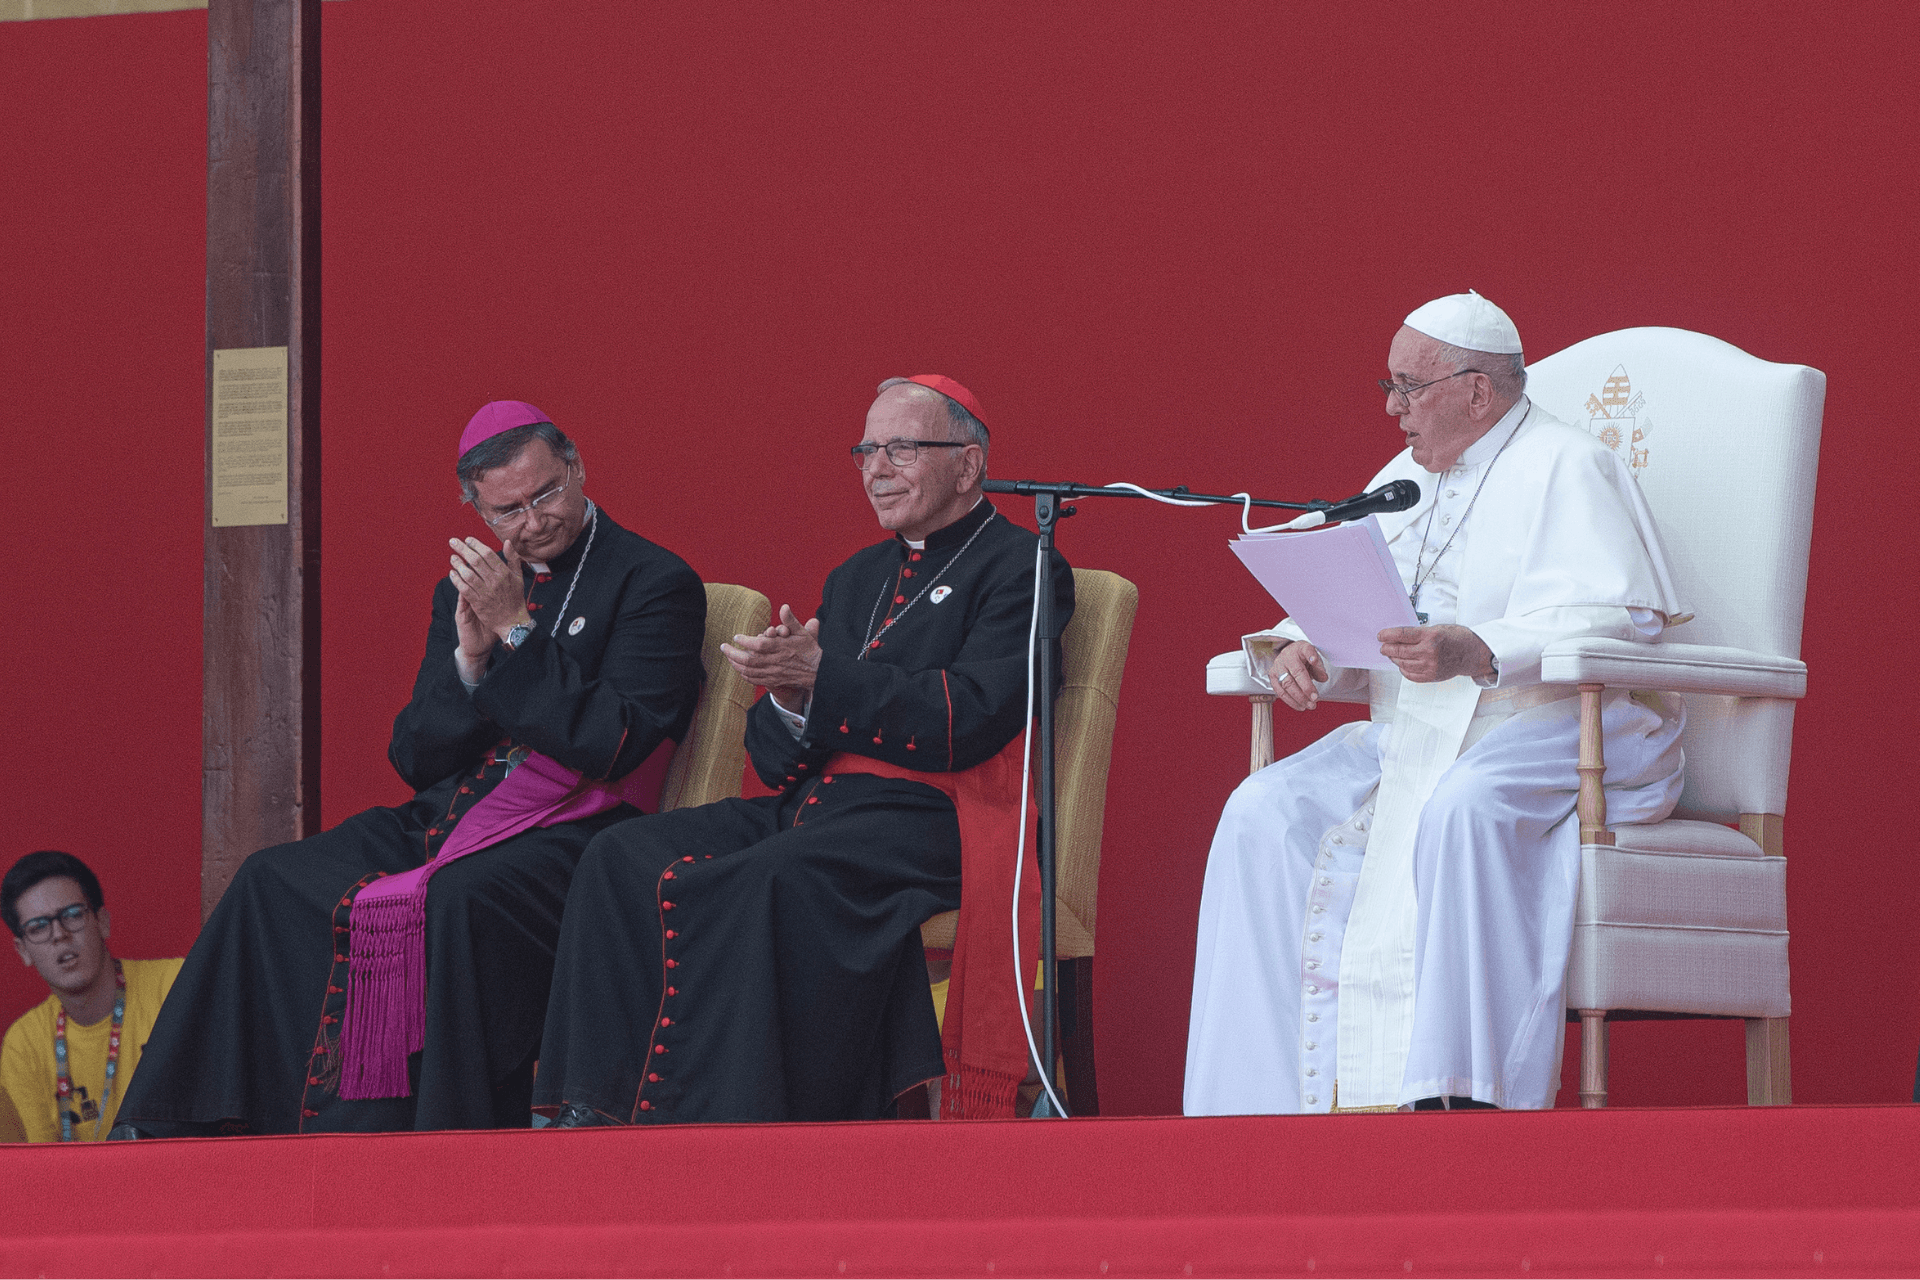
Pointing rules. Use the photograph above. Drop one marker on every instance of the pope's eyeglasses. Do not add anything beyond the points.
(516, 515)
(73, 919)
(901, 453)
(1406, 394)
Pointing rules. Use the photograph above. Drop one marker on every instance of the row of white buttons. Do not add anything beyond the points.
(1331, 893)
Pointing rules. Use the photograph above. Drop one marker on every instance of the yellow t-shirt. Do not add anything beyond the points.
(27, 1075)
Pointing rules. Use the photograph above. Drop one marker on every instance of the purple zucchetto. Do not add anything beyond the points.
(496, 416)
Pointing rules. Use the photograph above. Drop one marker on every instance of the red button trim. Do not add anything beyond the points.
(673, 964)
(646, 1106)
(666, 1022)
(688, 858)
(659, 1048)
(666, 906)
(309, 1114)
(667, 875)
(672, 934)
(340, 959)
(899, 599)
(334, 991)
(876, 739)
(906, 573)
(653, 1077)
(914, 556)
(813, 799)
(313, 1079)
(673, 991)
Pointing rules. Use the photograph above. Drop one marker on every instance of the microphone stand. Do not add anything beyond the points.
(1047, 511)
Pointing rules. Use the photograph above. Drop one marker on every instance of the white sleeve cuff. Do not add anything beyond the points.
(796, 724)
(460, 664)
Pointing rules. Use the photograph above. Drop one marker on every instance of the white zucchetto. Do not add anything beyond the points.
(1467, 320)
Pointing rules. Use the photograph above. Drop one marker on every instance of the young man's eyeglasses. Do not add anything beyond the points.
(514, 515)
(72, 919)
(901, 453)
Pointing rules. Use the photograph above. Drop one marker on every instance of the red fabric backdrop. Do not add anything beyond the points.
(1164, 244)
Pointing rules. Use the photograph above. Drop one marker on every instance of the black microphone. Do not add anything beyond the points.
(1395, 496)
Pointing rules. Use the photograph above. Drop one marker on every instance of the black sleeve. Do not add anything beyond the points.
(946, 718)
(643, 693)
(439, 731)
(771, 746)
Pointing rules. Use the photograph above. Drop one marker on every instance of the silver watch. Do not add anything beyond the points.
(517, 636)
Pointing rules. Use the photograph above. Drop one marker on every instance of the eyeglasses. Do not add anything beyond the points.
(901, 453)
(72, 919)
(514, 515)
(1406, 394)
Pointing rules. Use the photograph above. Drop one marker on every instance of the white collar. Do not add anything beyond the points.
(922, 544)
(1481, 451)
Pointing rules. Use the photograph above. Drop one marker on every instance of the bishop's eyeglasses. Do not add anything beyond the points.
(515, 515)
(901, 453)
(1406, 394)
(72, 919)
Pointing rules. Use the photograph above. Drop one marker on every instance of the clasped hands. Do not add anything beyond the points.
(492, 600)
(1425, 655)
(784, 659)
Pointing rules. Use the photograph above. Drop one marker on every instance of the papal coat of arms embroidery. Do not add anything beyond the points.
(1616, 418)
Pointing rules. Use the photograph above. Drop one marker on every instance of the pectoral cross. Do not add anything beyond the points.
(1413, 598)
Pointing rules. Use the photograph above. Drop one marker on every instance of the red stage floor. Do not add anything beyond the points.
(1781, 1191)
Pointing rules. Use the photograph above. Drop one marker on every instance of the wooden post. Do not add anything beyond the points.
(1592, 769)
(1593, 1058)
(1262, 747)
(1769, 1065)
(260, 724)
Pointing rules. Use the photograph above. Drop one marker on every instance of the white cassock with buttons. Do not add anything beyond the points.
(1387, 914)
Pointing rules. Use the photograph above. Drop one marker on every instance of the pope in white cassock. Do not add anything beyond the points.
(1387, 914)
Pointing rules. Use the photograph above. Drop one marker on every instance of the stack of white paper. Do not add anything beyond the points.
(1339, 584)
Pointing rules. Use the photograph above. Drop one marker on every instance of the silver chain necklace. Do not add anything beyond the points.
(866, 646)
(593, 525)
(1419, 578)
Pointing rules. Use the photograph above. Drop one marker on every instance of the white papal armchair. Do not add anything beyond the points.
(1687, 917)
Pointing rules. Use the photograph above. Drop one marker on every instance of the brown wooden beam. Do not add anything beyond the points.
(260, 782)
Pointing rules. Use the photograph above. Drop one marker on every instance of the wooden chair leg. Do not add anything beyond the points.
(1769, 1070)
(1261, 752)
(1076, 1039)
(1593, 1058)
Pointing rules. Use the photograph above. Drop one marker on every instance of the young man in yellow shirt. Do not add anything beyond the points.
(66, 1063)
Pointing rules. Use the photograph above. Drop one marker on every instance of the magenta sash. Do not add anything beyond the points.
(386, 1012)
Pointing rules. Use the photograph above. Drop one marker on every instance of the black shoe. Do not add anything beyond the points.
(1452, 1103)
(124, 1132)
(575, 1115)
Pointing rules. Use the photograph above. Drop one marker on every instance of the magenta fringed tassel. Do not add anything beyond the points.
(386, 991)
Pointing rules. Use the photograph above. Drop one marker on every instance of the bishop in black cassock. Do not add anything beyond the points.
(760, 959)
(597, 670)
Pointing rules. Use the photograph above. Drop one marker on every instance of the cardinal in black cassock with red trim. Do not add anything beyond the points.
(761, 959)
(392, 973)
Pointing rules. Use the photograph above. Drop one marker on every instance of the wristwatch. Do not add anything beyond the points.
(517, 636)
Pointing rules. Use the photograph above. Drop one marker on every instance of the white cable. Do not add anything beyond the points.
(1307, 521)
(1020, 858)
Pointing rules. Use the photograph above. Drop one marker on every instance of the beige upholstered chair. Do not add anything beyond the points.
(707, 765)
(1095, 644)
(1687, 917)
